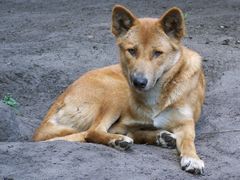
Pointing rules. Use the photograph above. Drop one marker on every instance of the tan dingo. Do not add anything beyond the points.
(153, 96)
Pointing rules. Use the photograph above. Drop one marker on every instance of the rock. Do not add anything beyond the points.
(14, 128)
(223, 26)
(90, 36)
(9, 128)
(237, 42)
(95, 47)
(225, 42)
(207, 41)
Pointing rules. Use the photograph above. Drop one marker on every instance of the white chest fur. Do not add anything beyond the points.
(179, 114)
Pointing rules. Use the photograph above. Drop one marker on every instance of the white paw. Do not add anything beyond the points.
(128, 139)
(166, 139)
(123, 143)
(192, 165)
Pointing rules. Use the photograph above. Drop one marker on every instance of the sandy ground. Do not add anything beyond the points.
(45, 45)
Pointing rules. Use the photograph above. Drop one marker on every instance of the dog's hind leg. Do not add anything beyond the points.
(114, 140)
(49, 130)
(76, 137)
(156, 137)
(98, 133)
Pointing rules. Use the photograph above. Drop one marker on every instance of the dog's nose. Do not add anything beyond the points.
(139, 81)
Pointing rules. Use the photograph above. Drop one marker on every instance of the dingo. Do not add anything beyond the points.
(154, 96)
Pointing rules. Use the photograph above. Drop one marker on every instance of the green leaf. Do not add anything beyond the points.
(10, 101)
(185, 15)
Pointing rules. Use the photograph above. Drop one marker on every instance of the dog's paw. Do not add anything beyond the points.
(123, 143)
(192, 165)
(166, 139)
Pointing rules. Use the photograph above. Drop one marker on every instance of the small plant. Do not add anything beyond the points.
(10, 101)
(185, 15)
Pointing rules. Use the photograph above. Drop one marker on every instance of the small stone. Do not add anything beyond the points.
(207, 41)
(7, 178)
(200, 26)
(237, 42)
(226, 42)
(90, 36)
(95, 47)
(223, 27)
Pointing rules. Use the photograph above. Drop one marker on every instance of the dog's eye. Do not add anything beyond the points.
(132, 51)
(156, 54)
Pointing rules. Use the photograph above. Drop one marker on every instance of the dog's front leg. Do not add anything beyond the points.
(155, 137)
(99, 132)
(185, 135)
(117, 141)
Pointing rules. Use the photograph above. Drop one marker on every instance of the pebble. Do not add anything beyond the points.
(7, 178)
(237, 42)
(223, 26)
(90, 36)
(226, 42)
(207, 41)
(95, 47)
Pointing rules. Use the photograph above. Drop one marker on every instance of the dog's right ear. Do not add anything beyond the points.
(122, 20)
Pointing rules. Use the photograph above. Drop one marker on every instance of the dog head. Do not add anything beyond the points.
(148, 47)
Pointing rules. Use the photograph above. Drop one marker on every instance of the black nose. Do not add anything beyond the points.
(139, 81)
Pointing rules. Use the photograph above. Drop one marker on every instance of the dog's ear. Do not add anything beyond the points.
(172, 23)
(122, 20)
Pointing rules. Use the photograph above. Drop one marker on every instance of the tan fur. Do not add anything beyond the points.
(104, 107)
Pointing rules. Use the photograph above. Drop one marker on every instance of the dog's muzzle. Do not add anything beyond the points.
(139, 81)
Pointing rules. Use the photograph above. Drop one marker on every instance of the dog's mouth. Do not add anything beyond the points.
(157, 81)
(140, 90)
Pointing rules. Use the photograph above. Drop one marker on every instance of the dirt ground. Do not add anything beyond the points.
(46, 45)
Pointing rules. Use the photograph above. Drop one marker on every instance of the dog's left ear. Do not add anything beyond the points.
(172, 23)
(122, 20)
